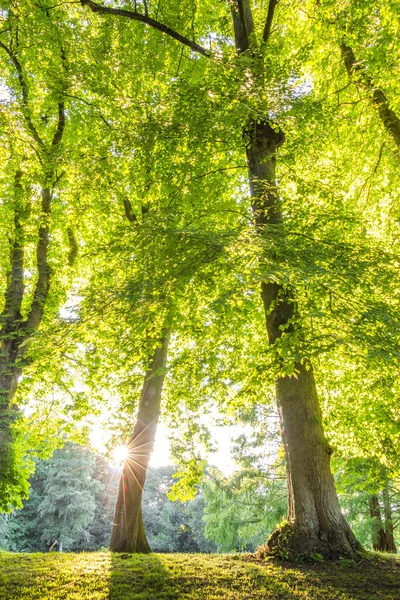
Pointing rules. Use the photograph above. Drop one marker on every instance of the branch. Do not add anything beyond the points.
(357, 71)
(270, 17)
(132, 218)
(15, 287)
(43, 267)
(120, 12)
(73, 247)
(60, 125)
(242, 24)
(25, 96)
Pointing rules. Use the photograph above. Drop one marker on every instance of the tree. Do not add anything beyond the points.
(317, 523)
(33, 137)
(62, 506)
(367, 494)
(318, 245)
(172, 526)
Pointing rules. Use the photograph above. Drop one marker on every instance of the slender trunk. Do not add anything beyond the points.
(377, 529)
(390, 545)
(357, 73)
(316, 521)
(128, 534)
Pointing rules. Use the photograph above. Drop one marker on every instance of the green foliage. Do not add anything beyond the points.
(172, 526)
(62, 505)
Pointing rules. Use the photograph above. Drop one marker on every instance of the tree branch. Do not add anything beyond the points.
(357, 71)
(60, 125)
(15, 288)
(25, 96)
(130, 215)
(43, 268)
(135, 16)
(270, 17)
(73, 247)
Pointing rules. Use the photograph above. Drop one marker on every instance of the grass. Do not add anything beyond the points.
(101, 576)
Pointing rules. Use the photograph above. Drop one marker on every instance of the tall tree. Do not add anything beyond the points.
(23, 303)
(316, 521)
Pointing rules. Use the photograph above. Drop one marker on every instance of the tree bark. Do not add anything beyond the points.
(16, 331)
(128, 534)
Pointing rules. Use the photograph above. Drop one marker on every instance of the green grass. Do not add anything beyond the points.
(101, 576)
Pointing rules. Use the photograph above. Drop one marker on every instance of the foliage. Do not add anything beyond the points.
(72, 500)
(357, 480)
(62, 504)
(151, 176)
(172, 526)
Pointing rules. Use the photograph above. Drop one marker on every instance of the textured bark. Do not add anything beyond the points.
(128, 534)
(358, 74)
(317, 524)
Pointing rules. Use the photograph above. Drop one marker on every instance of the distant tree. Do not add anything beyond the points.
(62, 504)
(99, 532)
(172, 526)
(371, 502)
(242, 510)
(3, 532)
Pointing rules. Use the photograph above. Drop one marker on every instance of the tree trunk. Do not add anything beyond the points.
(390, 546)
(16, 332)
(316, 523)
(377, 529)
(382, 532)
(128, 534)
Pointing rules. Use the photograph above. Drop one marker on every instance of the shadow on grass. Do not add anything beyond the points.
(105, 576)
(202, 577)
(366, 580)
(139, 577)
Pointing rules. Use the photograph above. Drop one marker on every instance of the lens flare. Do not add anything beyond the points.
(120, 454)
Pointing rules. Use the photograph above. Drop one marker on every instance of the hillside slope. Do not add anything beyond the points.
(101, 576)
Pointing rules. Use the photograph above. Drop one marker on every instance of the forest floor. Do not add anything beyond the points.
(101, 576)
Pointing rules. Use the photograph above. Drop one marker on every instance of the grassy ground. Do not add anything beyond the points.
(101, 576)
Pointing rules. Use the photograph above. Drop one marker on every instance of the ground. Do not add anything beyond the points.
(101, 576)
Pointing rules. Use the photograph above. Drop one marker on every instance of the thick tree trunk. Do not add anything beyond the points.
(316, 524)
(128, 534)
